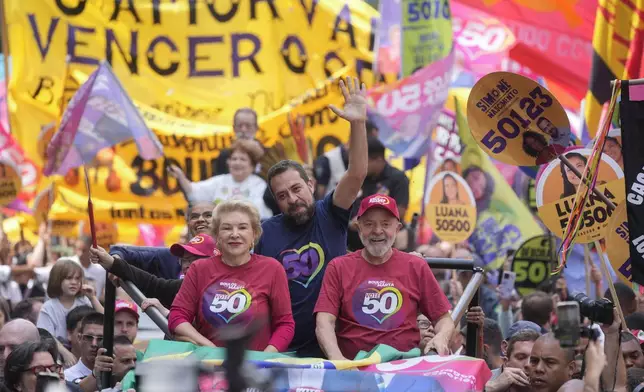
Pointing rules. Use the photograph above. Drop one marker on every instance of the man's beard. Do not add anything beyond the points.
(299, 218)
(377, 250)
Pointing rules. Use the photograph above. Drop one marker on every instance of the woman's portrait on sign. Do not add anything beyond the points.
(557, 181)
(570, 180)
(450, 191)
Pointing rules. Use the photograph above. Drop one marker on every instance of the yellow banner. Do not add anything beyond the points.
(188, 66)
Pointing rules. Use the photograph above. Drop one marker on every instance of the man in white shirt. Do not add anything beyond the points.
(91, 337)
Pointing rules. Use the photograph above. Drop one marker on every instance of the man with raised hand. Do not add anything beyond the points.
(308, 234)
(373, 296)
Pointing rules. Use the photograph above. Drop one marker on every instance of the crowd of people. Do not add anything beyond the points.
(324, 262)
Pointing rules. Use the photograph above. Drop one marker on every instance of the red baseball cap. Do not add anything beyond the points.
(199, 245)
(126, 306)
(639, 334)
(379, 201)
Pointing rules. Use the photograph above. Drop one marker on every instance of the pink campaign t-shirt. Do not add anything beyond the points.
(379, 303)
(214, 295)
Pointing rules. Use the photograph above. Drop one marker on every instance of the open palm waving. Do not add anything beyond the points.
(355, 100)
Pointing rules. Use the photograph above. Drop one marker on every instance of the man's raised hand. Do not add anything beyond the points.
(355, 100)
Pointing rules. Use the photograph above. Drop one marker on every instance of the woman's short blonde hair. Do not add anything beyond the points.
(236, 205)
(249, 147)
(64, 268)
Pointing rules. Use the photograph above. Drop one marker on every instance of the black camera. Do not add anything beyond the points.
(598, 311)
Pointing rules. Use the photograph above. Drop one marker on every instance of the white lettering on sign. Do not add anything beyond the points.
(636, 193)
(572, 47)
(639, 245)
(531, 35)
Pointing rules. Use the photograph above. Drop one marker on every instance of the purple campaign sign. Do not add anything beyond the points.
(100, 115)
(389, 38)
(410, 108)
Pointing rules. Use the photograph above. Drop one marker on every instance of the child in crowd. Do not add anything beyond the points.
(66, 291)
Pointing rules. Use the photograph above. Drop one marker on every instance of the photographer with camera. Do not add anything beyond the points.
(569, 334)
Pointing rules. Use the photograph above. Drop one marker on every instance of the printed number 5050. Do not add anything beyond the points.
(510, 126)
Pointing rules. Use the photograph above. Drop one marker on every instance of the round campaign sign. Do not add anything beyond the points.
(557, 187)
(107, 234)
(532, 262)
(619, 253)
(612, 146)
(451, 209)
(10, 183)
(516, 120)
(42, 204)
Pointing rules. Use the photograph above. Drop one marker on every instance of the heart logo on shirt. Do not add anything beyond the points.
(304, 264)
(227, 305)
(385, 303)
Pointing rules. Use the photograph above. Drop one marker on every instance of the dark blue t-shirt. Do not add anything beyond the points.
(305, 251)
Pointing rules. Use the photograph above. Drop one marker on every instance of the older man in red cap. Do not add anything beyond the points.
(374, 295)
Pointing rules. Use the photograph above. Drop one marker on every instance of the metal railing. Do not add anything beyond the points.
(469, 298)
(152, 312)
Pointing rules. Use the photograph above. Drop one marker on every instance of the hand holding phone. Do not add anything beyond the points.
(507, 284)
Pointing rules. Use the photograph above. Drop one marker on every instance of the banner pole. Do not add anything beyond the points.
(90, 208)
(611, 286)
(631, 82)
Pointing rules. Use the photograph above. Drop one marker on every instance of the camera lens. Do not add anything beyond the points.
(599, 311)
